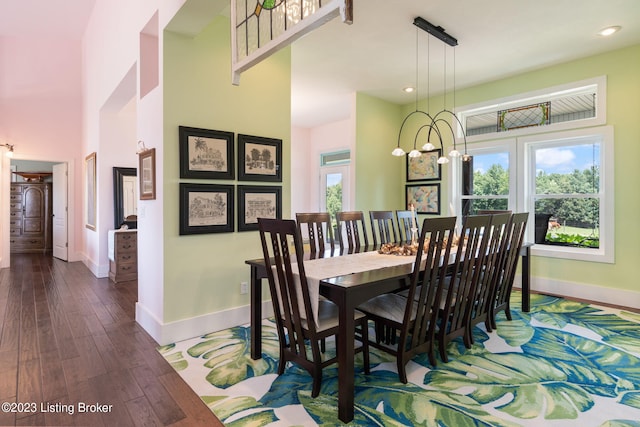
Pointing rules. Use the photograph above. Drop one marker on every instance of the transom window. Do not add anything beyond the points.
(563, 178)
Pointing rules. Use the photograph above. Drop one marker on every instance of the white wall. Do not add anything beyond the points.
(306, 146)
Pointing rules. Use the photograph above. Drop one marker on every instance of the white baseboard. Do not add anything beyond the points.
(166, 333)
(100, 271)
(595, 293)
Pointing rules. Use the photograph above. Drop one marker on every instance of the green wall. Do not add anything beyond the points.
(379, 175)
(623, 105)
(379, 178)
(202, 273)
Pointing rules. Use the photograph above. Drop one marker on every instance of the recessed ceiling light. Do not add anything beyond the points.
(609, 30)
(408, 89)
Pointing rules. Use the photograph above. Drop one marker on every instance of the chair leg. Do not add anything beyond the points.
(317, 380)
(402, 371)
(365, 345)
(323, 345)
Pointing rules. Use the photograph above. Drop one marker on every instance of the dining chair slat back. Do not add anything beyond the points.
(316, 226)
(415, 316)
(464, 275)
(291, 302)
(481, 302)
(406, 221)
(504, 282)
(383, 227)
(354, 235)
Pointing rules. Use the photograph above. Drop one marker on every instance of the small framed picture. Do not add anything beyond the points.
(259, 159)
(206, 208)
(425, 167)
(257, 202)
(147, 167)
(206, 154)
(425, 197)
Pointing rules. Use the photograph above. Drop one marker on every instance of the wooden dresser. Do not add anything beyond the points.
(30, 217)
(123, 255)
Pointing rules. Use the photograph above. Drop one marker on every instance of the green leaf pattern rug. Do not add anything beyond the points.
(563, 364)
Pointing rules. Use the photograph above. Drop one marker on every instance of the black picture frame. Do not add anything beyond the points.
(425, 167)
(255, 201)
(255, 168)
(206, 154)
(424, 197)
(206, 208)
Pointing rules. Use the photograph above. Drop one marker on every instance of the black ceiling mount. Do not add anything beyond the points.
(435, 31)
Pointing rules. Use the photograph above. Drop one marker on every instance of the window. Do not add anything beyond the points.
(566, 179)
(334, 182)
(561, 173)
(487, 179)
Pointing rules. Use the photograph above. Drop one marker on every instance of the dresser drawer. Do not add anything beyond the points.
(15, 206)
(25, 242)
(15, 198)
(15, 231)
(15, 215)
(125, 257)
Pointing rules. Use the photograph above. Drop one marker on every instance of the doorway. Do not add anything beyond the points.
(39, 208)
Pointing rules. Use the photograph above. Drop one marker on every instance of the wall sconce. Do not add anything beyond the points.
(9, 149)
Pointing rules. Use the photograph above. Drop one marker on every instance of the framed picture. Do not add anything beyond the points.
(206, 208)
(147, 167)
(206, 154)
(90, 213)
(425, 167)
(257, 202)
(259, 159)
(425, 197)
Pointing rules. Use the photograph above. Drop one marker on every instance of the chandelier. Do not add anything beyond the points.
(436, 121)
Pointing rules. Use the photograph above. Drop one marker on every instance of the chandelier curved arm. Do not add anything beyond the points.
(466, 156)
(399, 151)
(429, 146)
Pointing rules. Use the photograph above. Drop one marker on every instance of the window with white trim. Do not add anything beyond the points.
(564, 179)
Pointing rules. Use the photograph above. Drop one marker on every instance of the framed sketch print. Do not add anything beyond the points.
(425, 197)
(90, 211)
(259, 159)
(425, 167)
(257, 202)
(206, 208)
(206, 154)
(147, 167)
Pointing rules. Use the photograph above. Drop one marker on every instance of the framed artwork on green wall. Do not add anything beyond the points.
(425, 198)
(206, 154)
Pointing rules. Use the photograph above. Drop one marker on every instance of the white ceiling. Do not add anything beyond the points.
(376, 55)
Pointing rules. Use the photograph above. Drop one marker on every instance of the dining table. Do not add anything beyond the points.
(348, 290)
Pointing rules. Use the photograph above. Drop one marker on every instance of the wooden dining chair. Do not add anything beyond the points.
(465, 273)
(416, 316)
(317, 227)
(507, 270)
(354, 236)
(481, 301)
(405, 223)
(294, 316)
(383, 227)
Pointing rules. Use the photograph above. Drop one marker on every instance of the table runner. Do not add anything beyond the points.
(323, 268)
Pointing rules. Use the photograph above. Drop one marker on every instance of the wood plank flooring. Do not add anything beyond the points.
(68, 338)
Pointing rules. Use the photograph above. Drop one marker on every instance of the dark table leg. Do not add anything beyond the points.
(346, 351)
(526, 278)
(256, 313)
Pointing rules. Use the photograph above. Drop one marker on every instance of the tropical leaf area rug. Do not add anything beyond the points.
(564, 363)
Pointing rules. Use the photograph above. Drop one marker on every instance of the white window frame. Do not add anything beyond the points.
(521, 176)
(490, 147)
(526, 161)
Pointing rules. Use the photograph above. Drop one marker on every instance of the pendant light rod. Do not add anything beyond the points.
(435, 31)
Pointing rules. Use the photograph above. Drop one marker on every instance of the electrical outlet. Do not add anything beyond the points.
(244, 288)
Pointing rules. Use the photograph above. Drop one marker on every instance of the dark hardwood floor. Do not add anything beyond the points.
(69, 340)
